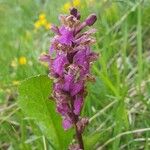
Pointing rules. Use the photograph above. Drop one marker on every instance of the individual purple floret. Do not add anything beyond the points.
(70, 58)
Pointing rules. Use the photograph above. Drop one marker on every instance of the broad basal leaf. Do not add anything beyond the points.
(33, 100)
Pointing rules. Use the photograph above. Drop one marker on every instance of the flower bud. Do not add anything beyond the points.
(91, 19)
(73, 11)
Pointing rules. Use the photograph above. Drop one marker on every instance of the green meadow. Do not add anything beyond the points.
(117, 104)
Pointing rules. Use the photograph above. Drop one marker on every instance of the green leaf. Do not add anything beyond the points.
(33, 100)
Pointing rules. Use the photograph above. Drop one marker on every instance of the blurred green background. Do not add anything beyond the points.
(118, 102)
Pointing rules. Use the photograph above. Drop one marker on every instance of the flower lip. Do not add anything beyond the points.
(67, 123)
(59, 64)
(66, 36)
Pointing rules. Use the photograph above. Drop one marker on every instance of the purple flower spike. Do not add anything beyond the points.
(70, 68)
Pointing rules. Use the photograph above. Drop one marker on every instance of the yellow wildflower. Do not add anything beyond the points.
(42, 16)
(37, 24)
(43, 22)
(22, 60)
(47, 26)
(66, 7)
(76, 3)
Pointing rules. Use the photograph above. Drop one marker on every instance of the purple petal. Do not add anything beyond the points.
(51, 49)
(58, 86)
(53, 43)
(76, 88)
(58, 64)
(80, 57)
(66, 36)
(81, 39)
(67, 123)
(86, 69)
(68, 82)
(91, 19)
(63, 108)
(77, 105)
(45, 58)
(90, 31)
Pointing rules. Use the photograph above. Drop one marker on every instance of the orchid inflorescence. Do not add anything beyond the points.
(69, 60)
